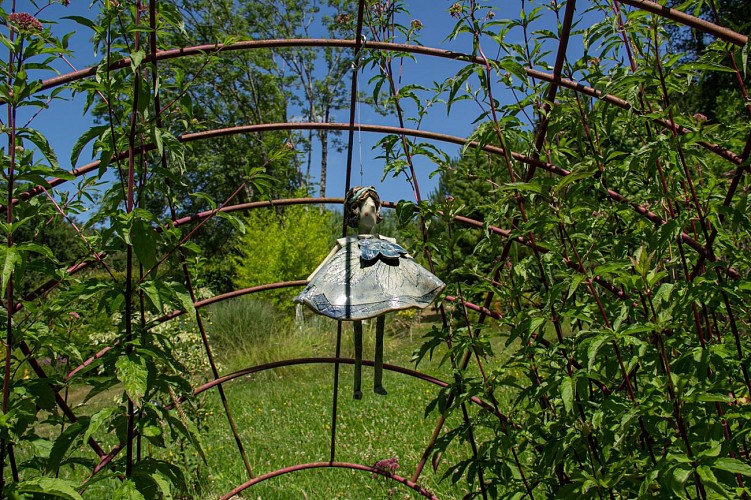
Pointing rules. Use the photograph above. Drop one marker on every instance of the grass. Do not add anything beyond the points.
(288, 421)
(284, 415)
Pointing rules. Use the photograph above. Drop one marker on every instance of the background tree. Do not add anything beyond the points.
(249, 87)
(472, 181)
(314, 76)
(715, 94)
(225, 90)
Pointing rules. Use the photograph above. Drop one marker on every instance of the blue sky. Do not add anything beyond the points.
(64, 122)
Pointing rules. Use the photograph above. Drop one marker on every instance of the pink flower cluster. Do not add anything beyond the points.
(386, 465)
(379, 8)
(24, 22)
(456, 10)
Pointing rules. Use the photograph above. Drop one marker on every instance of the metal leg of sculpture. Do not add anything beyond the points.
(378, 377)
(358, 359)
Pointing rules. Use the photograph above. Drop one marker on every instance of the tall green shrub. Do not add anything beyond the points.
(282, 246)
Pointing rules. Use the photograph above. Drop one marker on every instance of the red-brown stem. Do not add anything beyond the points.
(739, 172)
(702, 224)
(540, 138)
(624, 373)
(6, 445)
(129, 205)
(39, 371)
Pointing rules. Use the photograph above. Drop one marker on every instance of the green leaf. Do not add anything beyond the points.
(63, 444)
(678, 480)
(183, 296)
(9, 257)
(136, 58)
(85, 21)
(44, 394)
(732, 465)
(235, 221)
(127, 491)
(405, 212)
(156, 136)
(49, 486)
(40, 141)
(575, 282)
(84, 139)
(530, 187)
(161, 472)
(96, 422)
(36, 248)
(154, 293)
(705, 66)
(152, 485)
(573, 177)
(594, 348)
(133, 373)
(567, 393)
(144, 240)
(203, 196)
(188, 429)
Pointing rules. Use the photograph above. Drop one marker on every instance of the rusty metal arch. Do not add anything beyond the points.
(644, 211)
(554, 79)
(106, 458)
(318, 465)
(347, 361)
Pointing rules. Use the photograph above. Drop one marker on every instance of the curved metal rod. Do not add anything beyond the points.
(641, 210)
(623, 104)
(169, 54)
(195, 50)
(694, 22)
(316, 465)
(301, 201)
(230, 295)
(291, 201)
(570, 84)
(197, 305)
(268, 127)
(459, 218)
(347, 361)
(197, 217)
(105, 460)
(645, 212)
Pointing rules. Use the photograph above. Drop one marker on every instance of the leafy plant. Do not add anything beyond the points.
(609, 246)
(282, 246)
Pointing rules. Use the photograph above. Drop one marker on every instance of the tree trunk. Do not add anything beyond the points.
(310, 159)
(324, 137)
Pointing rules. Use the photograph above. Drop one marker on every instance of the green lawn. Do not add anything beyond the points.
(285, 419)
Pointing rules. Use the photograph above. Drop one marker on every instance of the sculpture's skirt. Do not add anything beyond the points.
(349, 287)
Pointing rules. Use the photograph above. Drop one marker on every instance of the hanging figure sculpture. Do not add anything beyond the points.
(366, 276)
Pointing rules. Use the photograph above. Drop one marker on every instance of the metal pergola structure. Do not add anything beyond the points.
(534, 163)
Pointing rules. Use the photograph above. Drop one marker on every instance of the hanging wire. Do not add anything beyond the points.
(359, 109)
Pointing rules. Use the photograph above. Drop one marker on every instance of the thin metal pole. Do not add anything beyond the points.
(347, 185)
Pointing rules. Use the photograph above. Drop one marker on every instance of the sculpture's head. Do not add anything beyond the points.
(362, 207)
